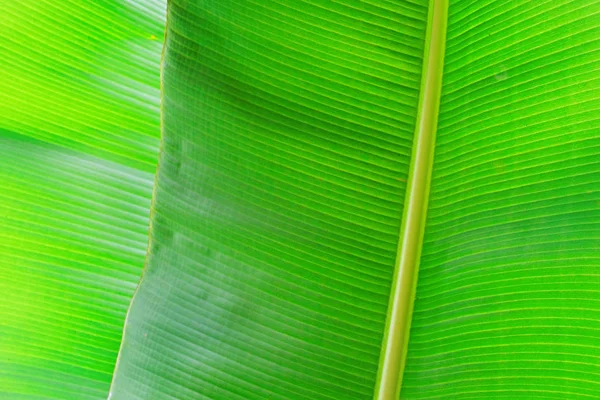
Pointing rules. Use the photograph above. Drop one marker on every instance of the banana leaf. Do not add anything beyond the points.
(326, 167)
(291, 217)
(79, 136)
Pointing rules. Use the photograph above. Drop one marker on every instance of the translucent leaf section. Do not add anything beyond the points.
(79, 128)
(508, 295)
(287, 136)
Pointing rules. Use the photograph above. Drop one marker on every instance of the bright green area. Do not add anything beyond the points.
(79, 128)
(288, 129)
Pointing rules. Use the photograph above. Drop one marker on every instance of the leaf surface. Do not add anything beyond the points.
(508, 293)
(287, 138)
(288, 131)
(79, 128)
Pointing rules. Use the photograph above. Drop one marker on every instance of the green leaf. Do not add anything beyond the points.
(286, 149)
(281, 262)
(288, 131)
(508, 292)
(79, 128)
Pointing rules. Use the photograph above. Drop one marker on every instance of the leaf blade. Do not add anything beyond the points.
(78, 136)
(512, 215)
(274, 220)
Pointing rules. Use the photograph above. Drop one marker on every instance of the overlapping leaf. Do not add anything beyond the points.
(79, 127)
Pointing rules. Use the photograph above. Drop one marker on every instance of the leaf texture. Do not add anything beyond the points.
(79, 127)
(288, 128)
(508, 293)
(287, 136)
